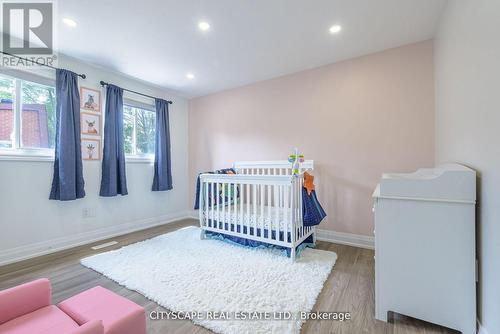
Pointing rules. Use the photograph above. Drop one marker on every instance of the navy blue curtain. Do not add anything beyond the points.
(113, 180)
(163, 174)
(67, 182)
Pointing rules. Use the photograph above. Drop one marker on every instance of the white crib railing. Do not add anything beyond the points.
(278, 167)
(263, 202)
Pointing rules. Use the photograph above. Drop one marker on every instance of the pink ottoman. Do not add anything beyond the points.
(118, 314)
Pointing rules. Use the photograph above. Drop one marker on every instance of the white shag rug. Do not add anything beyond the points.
(222, 282)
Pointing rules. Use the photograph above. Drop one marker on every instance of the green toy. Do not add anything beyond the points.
(296, 159)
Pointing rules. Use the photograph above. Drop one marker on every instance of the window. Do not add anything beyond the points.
(27, 115)
(140, 130)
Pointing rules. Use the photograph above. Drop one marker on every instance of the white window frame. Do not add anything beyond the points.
(138, 158)
(18, 153)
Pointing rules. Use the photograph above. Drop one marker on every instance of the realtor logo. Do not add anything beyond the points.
(27, 28)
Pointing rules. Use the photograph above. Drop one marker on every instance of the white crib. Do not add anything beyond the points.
(262, 202)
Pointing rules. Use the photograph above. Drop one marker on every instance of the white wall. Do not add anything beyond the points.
(31, 224)
(467, 51)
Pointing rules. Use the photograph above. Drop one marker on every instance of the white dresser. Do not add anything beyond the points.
(425, 260)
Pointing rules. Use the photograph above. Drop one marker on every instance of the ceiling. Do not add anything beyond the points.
(249, 40)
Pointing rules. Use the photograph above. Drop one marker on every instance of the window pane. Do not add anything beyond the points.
(139, 127)
(145, 131)
(38, 117)
(6, 112)
(128, 129)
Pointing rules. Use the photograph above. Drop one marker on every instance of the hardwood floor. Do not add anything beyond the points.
(349, 288)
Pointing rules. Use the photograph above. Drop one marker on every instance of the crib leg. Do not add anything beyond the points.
(202, 234)
(292, 254)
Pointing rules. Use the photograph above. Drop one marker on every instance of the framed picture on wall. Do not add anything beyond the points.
(90, 124)
(91, 149)
(90, 99)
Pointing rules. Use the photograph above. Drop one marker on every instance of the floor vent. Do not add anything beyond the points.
(107, 244)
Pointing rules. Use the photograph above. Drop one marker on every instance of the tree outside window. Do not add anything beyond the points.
(139, 130)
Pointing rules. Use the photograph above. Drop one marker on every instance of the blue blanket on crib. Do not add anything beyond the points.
(197, 196)
(308, 242)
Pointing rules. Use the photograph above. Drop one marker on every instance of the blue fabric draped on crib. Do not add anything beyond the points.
(197, 196)
(308, 242)
(312, 211)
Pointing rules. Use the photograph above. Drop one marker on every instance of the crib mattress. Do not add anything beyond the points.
(258, 220)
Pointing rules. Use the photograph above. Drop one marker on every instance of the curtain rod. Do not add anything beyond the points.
(83, 76)
(133, 91)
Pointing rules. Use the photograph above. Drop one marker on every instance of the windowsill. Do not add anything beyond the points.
(24, 155)
(140, 159)
(19, 155)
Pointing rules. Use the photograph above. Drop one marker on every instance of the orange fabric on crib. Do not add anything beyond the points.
(308, 182)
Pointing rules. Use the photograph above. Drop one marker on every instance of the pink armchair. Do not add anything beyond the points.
(27, 309)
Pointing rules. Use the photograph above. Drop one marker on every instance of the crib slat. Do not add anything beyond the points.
(227, 206)
(217, 202)
(262, 190)
(223, 204)
(299, 224)
(205, 190)
(240, 209)
(285, 213)
(276, 212)
(240, 221)
(227, 216)
(247, 223)
(209, 202)
(212, 223)
(235, 205)
(254, 206)
(296, 223)
(257, 204)
(227, 221)
(269, 218)
(301, 183)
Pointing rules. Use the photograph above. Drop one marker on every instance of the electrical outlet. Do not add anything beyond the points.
(88, 213)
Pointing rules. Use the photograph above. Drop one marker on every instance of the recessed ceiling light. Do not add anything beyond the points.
(69, 22)
(335, 29)
(204, 26)
(190, 76)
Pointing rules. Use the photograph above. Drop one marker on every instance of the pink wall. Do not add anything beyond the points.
(356, 119)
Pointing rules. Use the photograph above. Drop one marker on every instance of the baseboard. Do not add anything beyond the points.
(193, 214)
(17, 254)
(356, 240)
(481, 329)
